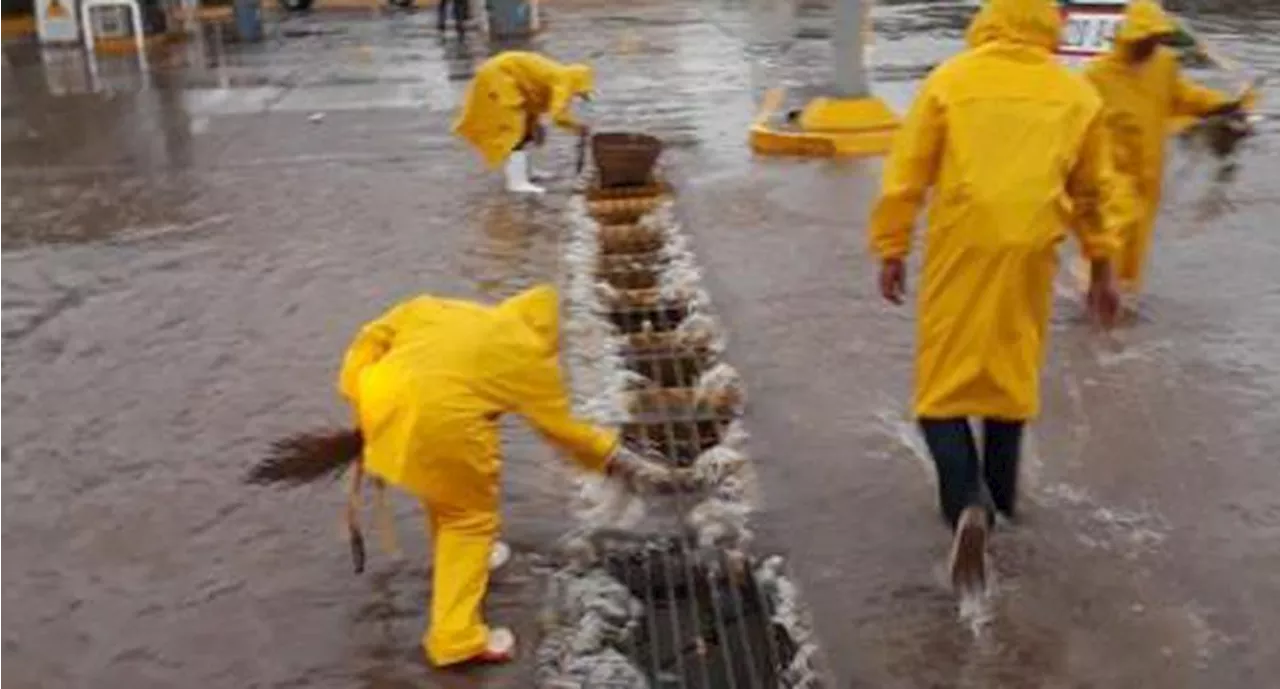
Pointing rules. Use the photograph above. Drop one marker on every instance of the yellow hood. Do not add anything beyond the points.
(1144, 19)
(1026, 22)
(580, 78)
(539, 309)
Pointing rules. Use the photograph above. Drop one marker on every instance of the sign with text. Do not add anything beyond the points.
(1088, 32)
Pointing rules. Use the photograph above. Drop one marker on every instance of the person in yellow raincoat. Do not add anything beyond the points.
(1010, 144)
(1143, 91)
(503, 104)
(428, 381)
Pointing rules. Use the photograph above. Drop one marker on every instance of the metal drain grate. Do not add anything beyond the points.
(705, 622)
(660, 608)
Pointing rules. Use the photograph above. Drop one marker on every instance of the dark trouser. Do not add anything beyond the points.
(956, 455)
(528, 139)
(460, 11)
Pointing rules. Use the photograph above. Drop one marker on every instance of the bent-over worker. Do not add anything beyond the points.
(1143, 91)
(503, 105)
(1010, 142)
(428, 381)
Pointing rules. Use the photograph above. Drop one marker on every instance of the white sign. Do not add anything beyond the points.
(56, 21)
(1088, 33)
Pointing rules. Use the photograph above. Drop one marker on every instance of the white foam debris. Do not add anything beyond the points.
(803, 669)
(591, 616)
(604, 504)
(723, 385)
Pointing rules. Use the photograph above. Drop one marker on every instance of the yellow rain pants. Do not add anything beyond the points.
(428, 381)
(511, 89)
(1140, 102)
(1012, 145)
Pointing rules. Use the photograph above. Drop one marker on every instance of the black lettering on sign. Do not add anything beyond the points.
(1074, 31)
(1109, 34)
(1095, 33)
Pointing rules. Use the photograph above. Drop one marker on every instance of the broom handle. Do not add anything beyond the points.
(582, 150)
(353, 517)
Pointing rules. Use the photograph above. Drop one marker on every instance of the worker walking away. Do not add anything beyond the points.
(1143, 91)
(428, 381)
(1006, 143)
(461, 14)
(504, 104)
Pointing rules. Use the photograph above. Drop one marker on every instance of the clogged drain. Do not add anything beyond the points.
(661, 592)
(702, 625)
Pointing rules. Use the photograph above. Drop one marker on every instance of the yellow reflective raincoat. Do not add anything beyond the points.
(1012, 144)
(428, 381)
(509, 90)
(1140, 102)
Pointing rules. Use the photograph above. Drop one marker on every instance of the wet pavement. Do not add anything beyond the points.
(187, 251)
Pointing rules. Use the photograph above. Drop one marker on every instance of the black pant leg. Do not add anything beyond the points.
(442, 14)
(1001, 454)
(955, 454)
(461, 12)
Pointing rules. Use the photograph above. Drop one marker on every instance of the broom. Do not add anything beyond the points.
(304, 458)
(307, 457)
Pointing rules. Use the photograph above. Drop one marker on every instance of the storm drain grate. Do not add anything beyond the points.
(673, 600)
(705, 622)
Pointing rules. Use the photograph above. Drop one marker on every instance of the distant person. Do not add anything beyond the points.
(505, 102)
(461, 14)
(1004, 142)
(1142, 91)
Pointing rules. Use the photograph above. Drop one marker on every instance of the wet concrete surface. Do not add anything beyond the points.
(187, 251)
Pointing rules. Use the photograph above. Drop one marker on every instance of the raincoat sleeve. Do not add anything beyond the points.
(910, 171)
(1193, 100)
(1102, 199)
(561, 106)
(537, 393)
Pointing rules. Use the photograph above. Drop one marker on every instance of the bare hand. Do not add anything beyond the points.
(893, 280)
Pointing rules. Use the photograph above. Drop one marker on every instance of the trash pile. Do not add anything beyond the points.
(661, 591)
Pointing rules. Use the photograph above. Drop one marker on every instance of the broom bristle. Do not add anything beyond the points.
(306, 457)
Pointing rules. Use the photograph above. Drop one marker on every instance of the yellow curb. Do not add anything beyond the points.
(828, 127)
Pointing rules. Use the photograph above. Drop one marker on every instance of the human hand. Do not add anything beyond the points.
(893, 280)
(537, 133)
(638, 473)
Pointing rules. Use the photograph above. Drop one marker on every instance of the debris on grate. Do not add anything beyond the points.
(660, 591)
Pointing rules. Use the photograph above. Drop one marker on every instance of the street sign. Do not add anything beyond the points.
(1088, 32)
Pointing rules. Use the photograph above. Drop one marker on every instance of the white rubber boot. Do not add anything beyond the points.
(518, 175)
(499, 556)
(537, 174)
(500, 647)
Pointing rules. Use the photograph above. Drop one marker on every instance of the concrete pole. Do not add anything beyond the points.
(851, 70)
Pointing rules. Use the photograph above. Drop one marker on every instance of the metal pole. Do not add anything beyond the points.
(851, 71)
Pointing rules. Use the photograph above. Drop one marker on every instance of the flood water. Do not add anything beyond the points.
(187, 250)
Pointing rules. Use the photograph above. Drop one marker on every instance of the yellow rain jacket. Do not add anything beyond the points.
(512, 88)
(1012, 144)
(1140, 103)
(428, 381)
